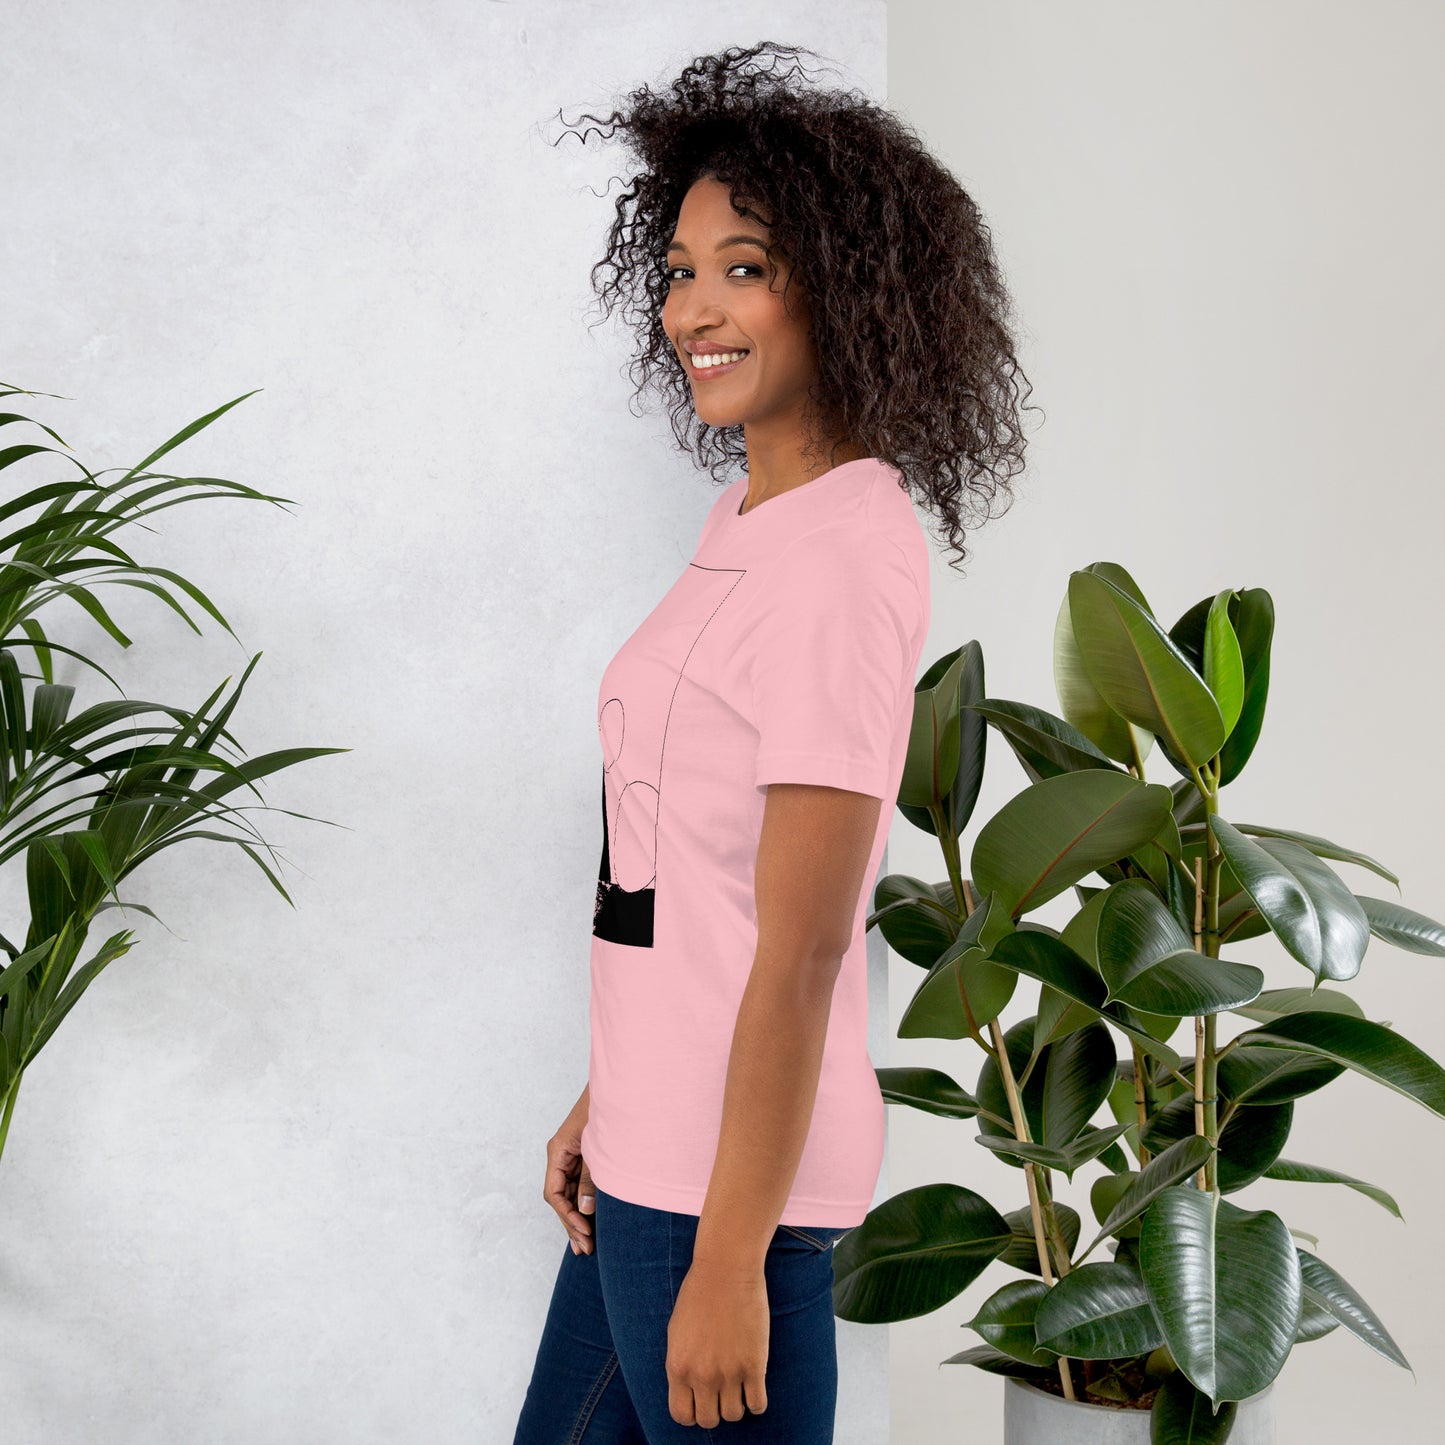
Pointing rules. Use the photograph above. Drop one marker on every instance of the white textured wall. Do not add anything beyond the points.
(278, 1178)
(1223, 226)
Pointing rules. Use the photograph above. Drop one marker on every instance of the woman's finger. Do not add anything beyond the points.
(560, 1191)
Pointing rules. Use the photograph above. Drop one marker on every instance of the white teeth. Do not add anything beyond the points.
(716, 358)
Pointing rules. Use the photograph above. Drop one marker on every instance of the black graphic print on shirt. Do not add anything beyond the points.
(639, 688)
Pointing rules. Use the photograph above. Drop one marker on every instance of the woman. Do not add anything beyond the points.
(818, 300)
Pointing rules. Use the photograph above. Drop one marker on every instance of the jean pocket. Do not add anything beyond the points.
(818, 1237)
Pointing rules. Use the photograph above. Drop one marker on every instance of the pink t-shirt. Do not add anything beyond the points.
(786, 652)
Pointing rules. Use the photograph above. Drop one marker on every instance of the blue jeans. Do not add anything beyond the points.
(600, 1376)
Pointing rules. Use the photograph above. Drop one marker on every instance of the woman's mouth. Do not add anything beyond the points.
(705, 365)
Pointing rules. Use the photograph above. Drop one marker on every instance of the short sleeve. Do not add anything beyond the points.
(832, 660)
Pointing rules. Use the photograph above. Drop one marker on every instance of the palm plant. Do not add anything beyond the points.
(1203, 1298)
(87, 797)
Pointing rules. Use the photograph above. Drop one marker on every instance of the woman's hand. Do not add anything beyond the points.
(717, 1345)
(568, 1186)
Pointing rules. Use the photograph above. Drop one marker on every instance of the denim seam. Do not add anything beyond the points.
(803, 1234)
(589, 1405)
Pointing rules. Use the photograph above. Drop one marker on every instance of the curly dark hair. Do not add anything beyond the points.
(910, 315)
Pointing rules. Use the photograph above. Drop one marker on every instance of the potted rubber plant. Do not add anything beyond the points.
(87, 796)
(1147, 1055)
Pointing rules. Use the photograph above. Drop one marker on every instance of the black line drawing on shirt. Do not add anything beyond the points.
(622, 913)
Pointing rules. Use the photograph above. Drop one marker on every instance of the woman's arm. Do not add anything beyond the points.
(812, 852)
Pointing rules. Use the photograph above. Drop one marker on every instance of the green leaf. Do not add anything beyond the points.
(1315, 1321)
(12, 975)
(184, 434)
(1061, 829)
(1044, 744)
(993, 1096)
(256, 858)
(1023, 1251)
(964, 990)
(931, 1090)
(1251, 614)
(36, 633)
(983, 987)
(83, 977)
(48, 710)
(264, 764)
(51, 491)
(1188, 983)
(1058, 1015)
(1290, 1169)
(1089, 1145)
(193, 592)
(1182, 1158)
(1105, 1192)
(1083, 705)
(1132, 929)
(915, 1252)
(930, 769)
(994, 1361)
(1053, 962)
(922, 929)
(1275, 1003)
(1369, 1048)
(1006, 1320)
(1149, 962)
(1328, 1289)
(1223, 663)
(1077, 1079)
(1140, 672)
(1248, 1143)
(1403, 926)
(91, 604)
(1307, 907)
(1254, 1074)
(94, 847)
(1126, 1250)
(1225, 1284)
(12, 710)
(947, 744)
(1130, 903)
(1099, 1312)
(1320, 847)
(1181, 1415)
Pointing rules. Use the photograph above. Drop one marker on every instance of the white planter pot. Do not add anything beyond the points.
(1035, 1417)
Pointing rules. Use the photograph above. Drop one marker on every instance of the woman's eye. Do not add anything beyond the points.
(668, 271)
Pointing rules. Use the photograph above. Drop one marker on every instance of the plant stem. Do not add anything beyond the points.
(1203, 1175)
(10, 1094)
(1141, 1105)
(1211, 1102)
(963, 892)
(1180, 1079)
(965, 897)
(948, 841)
(1223, 1049)
(1138, 763)
(1062, 1262)
(1036, 1215)
(1206, 941)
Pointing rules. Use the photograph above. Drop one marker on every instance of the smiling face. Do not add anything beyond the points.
(726, 295)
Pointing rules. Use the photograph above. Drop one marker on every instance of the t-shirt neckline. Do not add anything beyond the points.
(828, 476)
